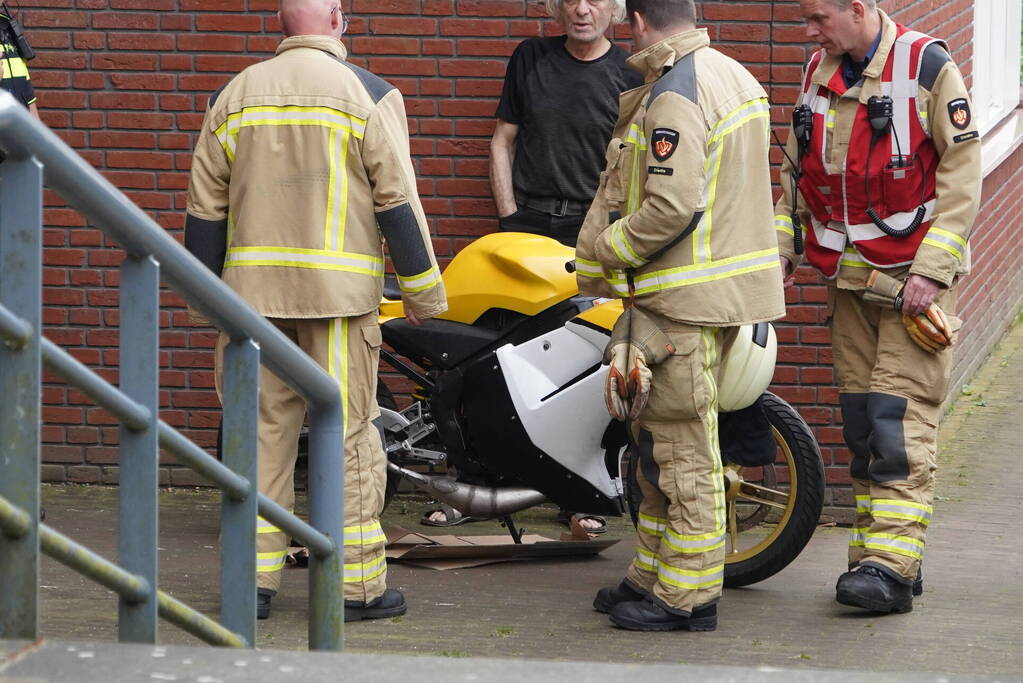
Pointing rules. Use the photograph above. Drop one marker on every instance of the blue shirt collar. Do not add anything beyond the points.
(853, 71)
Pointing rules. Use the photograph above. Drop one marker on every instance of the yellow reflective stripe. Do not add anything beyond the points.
(421, 282)
(949, 241)
(646, 560)
(265, 527)
(622, 247)
(750, 111)
(851, 257)
(700, 543)
(365, 534)
(831, 118)
(903, 503)
(637, 139)
(898, 509)
(292, 115)
(710, 341)
(651, 525)
(700, 273)
(337, 363)
(14, 67)
(689, 578)
(270, 562)
(316, 259)
(227, 140)
(949, 235)
(784, 224)
(900, 545)
(862, 503)
(585, 268)
(857, 536)
(941, 245)
(359, 572)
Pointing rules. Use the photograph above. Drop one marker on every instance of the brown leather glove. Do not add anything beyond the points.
(930, 330)
(636, 345)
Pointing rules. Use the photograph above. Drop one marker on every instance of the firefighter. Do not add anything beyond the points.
(886, 158)
(681, 227)
(301, 167)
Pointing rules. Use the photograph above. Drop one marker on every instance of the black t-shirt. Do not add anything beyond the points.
(566, 110)
(13, 71)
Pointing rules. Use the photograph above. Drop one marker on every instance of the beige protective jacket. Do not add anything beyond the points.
(689, 158)
(959, 175)
(301, 167)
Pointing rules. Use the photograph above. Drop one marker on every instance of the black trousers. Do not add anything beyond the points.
(565, 229)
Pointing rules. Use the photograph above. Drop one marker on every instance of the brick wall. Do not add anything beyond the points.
(126, 82)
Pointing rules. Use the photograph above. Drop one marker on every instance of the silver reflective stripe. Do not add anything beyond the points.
(694, 544)
(901, 545)
(245, 255)
(265, 527)
(270, 562)
(367, 534)
(861, 232)
(696, 274)
(359, 572)
(650, 525)
(588, 268)
(252, 116)
(898, 510)
(857, 536)
(410, 284)
(949, 241)
(690, 579)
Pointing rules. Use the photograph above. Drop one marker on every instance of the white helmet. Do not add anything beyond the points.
(748, 367)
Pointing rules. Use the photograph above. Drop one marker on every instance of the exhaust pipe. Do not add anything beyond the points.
(470, 499)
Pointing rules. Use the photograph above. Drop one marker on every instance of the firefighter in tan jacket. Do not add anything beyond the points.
(886, 159)
(300, 172)
(683, 213)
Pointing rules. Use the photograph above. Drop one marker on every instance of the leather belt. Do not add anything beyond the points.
(554, 206)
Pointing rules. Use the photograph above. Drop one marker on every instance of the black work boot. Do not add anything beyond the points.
(609, 597)
(874, 589)
(263, 598)
(648, 615)
(391, 603)
(918, 584)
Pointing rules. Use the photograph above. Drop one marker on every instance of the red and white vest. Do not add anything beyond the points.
(838, 201)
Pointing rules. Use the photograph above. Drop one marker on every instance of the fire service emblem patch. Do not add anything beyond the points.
(663, 142)
(959, 113)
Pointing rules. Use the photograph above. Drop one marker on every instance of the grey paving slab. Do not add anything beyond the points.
(969, 620)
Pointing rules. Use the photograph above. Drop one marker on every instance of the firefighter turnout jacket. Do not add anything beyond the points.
(685, 201)
(301, 167)
(929, 157)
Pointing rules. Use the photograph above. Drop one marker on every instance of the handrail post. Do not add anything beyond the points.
(21, 201)
(327, 514)
(140, 452)
(238, 518)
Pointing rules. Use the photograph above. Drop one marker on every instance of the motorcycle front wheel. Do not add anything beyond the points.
(772, 511)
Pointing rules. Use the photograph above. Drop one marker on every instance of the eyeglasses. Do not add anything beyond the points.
(344, 18)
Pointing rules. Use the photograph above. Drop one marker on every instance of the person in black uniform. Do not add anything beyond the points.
(557, 111)
(14, 53)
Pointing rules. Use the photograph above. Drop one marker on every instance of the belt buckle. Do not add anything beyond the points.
(562, 209)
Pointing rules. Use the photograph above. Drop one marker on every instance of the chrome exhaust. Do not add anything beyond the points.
(470, 499)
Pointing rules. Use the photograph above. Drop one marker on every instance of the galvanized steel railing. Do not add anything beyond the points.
(152, 254)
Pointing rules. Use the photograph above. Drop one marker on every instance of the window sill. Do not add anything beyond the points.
(1001, 141)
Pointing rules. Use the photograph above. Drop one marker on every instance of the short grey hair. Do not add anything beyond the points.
(844, 4)
(554, 9)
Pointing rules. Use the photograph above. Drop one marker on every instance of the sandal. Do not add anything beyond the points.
(452, 517)
(565, 517)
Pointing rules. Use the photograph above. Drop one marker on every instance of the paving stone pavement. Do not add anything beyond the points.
(968, 621)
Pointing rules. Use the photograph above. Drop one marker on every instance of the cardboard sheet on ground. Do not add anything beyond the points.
(451, 551)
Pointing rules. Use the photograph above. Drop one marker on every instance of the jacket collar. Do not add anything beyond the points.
(653, 60)
(327, 44)
(831, 64)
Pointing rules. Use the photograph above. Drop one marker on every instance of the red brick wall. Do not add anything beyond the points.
(126, 81)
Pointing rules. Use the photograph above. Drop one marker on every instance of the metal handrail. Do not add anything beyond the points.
(153, 255)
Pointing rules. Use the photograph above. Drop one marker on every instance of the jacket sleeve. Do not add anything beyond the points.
(399, 213)
(206, 217)
(944, 251)
(673, 201)
(590, 275)
(784, 225)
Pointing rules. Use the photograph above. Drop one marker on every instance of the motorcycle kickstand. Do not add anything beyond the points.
(516, 534)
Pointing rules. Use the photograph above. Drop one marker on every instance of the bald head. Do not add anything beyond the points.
(311, 18)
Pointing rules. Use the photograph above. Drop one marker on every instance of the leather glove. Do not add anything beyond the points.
(636, 345)
(930, 330)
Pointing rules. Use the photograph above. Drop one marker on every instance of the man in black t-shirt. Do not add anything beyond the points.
(557, 111)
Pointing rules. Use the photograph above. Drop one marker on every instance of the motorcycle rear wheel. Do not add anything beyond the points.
(771, 511)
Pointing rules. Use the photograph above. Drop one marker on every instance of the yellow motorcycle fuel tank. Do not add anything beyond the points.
(514, 271)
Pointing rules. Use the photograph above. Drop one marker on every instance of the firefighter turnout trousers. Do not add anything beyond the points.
(681, 530)
(349, 349)
(891, 392)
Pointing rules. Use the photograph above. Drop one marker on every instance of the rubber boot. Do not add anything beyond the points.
(263, 598)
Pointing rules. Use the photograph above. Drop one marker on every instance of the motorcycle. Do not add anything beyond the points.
(509, 395)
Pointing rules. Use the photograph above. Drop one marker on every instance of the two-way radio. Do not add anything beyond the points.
(17, 33)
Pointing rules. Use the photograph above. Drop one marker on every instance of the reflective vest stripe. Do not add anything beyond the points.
(270, 562)
(862, 232)
(699, 273)
(421, 282)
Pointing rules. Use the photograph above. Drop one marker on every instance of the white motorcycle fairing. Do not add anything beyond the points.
(556, 382)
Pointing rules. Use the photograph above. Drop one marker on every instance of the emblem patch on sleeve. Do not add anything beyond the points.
(663, 142)
(959, 113)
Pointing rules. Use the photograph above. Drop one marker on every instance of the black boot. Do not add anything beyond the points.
(649, 615)
(263, 598)
(874, 589)
(390, 604)
(609, 597)
(918, 585)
